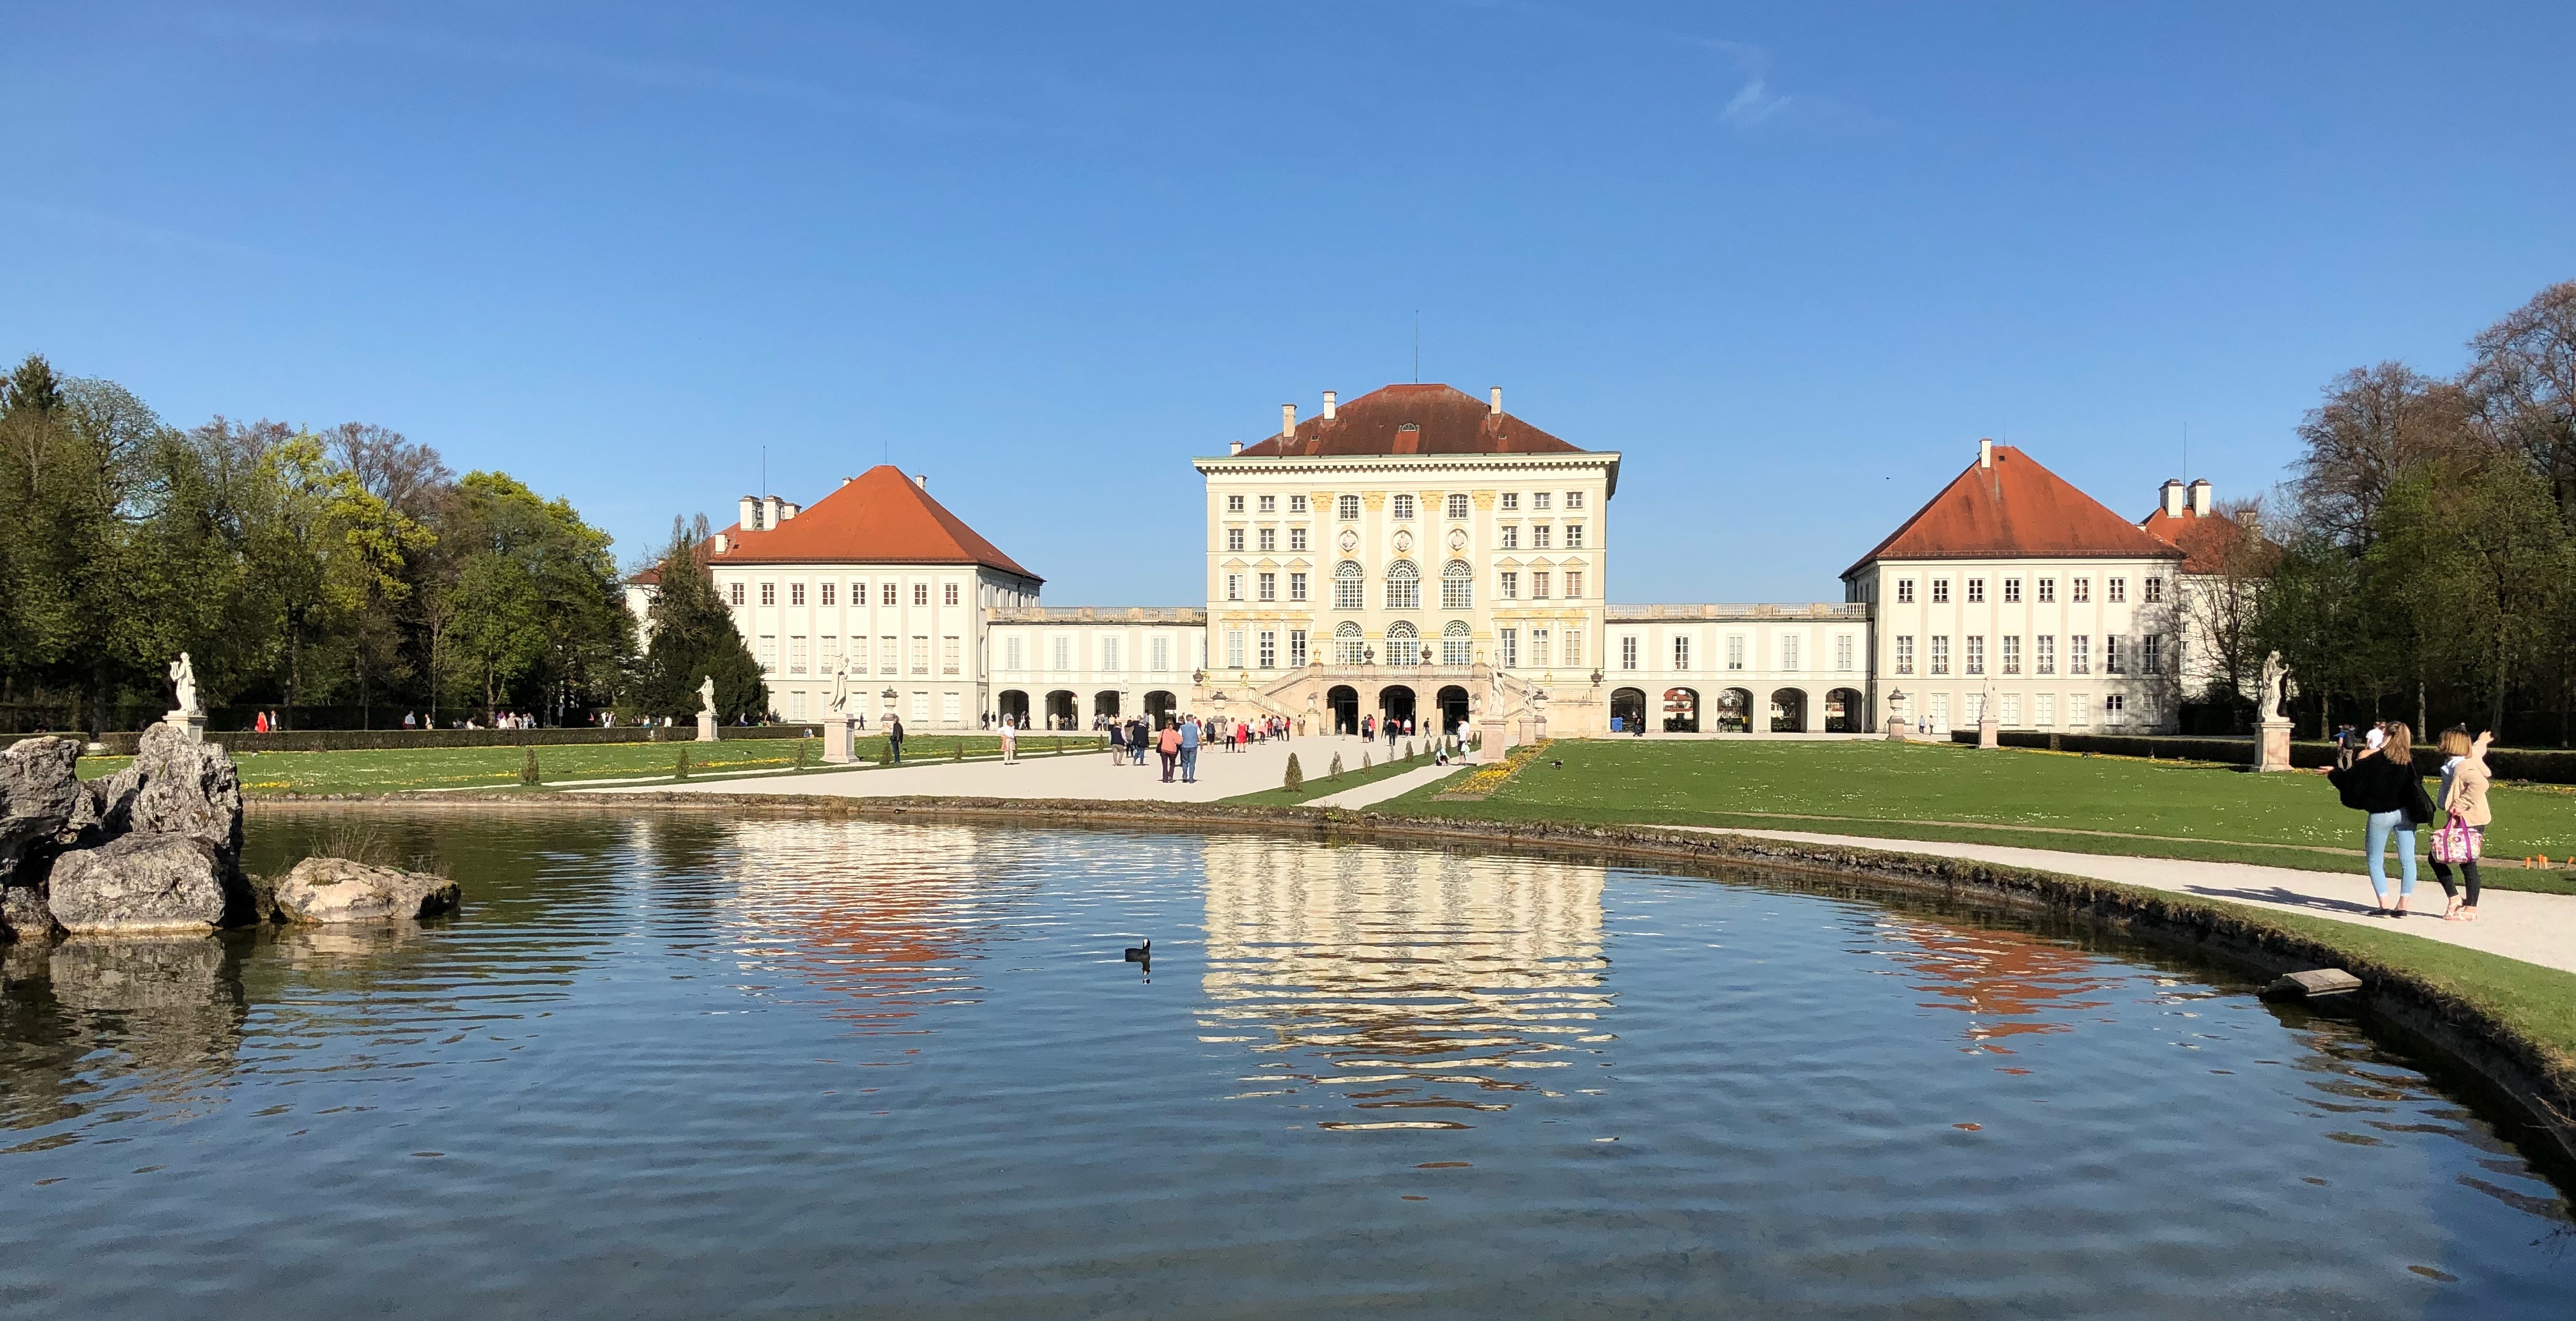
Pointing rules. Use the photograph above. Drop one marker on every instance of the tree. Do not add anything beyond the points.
(500, 632)
(693, 639)
(2375, 423)
(2481, 561)
(2227, 562)
(2522, 389)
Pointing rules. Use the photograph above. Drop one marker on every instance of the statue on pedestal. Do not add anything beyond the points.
(841, 686)
(2279, 690)
(707, 698)
(183, 678)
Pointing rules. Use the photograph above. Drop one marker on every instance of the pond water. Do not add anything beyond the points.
(685, 1066)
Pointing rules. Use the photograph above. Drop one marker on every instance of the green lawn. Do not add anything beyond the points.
(1952, 792)
(1318, 787)
(400, 769)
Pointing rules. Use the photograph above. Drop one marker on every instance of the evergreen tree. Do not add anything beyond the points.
(693, 638)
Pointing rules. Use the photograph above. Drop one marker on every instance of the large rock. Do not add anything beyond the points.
(338, 890)
(143, 885)
(39, 794)
(182, 787)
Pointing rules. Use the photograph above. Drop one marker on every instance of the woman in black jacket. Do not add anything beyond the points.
(2382, 782)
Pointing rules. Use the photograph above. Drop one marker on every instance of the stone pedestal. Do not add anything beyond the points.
(2272, 746)
(836, 739)
(1897, 729)
(1489, 742)
(1986, 733)
(706, 728)
(190, 723)
(1538, 729)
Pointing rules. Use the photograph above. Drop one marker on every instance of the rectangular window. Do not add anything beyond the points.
(1538, 584)
(1403, 509)
(1269, 503)
(1234, 540)
(1574, 648)
(2012, 591)
(1574, 499)
(1789, 649)
(2152, 652)
(1940, 711)
(795, 593)
(1347, 589)
(1267, 654)
(1735, 651)
(1976, 653)
(2079, 652)
(1538, 536)
(1109, 654)
(2112, 661)
(1234, 587)
(829, 652)
(1347, 508)
(2083, 591)
(1905, 591)
(2048, 591)
(1267, 587)
(1681, 652)
(1296, 649)
(889, 594)
(1538, 648)
(769, 653)
(921, 593)
(1511, 500)
(1941, 653)
(952, 594)
(795, 653)
(1842, 651)
(1905, 653)
(2047, 714)
(1511, 586)
(2012, 653)
(2119, 594)
(827, 593)
(2079, 708)
(1268, 540)
(1573, 584)
(1296, 587)
(1628, 651)
(1352, 650)
(769, 593)
(736, 593)
(1061, 655)
(1458, 506)
(1296, 540)
(1457, 651)
(949, 648)
(1011, 654)
(1574, 536)
(1976, 591)
(796, 705)
(1234, 504)
(1457, 591)
(2155, 590)
(887, 659)
(1511, 536)
(920, 653)
(1511, 643)
(1296, 504)
(1940, 591)
(2115, 706)
(2012, 710)
(1234, 649)
(1162, 654)
(2046, 655)
(1540, 499)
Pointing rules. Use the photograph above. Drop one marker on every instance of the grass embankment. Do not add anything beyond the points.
(1318, 785)
(2034, 799)
(401, 770)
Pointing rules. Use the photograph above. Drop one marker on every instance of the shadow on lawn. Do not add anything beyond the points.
(2279, 895)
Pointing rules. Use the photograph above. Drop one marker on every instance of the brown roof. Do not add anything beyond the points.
(1412, 419)
(2014, 508)
(2209, 542)
(877, 517)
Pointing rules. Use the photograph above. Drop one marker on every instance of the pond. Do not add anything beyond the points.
(690, 1066)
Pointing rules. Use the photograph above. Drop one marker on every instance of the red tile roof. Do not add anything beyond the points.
(2015, 508)
(2208, 542)
(1412, 419)
(877, 517)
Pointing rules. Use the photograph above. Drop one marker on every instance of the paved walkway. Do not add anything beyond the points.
(1381, 790)
(1222, 774)
(2536, 928)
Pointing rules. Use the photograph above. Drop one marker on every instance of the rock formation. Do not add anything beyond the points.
(338, 890)
(154, 848)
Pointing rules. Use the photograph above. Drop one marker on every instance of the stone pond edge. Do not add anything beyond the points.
(2534, 1076)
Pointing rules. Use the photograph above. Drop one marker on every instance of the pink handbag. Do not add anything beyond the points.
(2457, 841)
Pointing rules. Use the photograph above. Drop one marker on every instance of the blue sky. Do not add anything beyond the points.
(1792, 262)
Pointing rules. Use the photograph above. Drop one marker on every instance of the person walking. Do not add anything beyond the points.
(2462, 809)
(1169, 745)
(1010, 745)
(894, 741)
(2382, 783)
(1191, 737)
(1117, 744)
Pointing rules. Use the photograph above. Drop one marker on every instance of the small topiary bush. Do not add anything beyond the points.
(528, 767)
(1335, 771)
(680, 768)
(1296, 779)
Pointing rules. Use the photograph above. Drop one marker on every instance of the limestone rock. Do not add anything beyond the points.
(38, 795)
(23, 913)
(142, 884)
(187, 788)
(338, 890)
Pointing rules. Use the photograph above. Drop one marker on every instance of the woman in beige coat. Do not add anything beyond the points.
(2463, 802)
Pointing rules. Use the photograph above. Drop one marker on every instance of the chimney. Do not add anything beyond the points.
(922, 480)
(750, 513)
(790, 510)
(769, 511)
(1287, 420)
(1985, 453)
(2172, 495)
(1498, 401)
(2200, 497)
(1234, 447)
(1328, 405)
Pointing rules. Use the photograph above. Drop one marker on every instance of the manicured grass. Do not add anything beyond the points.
(2034, 799)
(1318, 787)
(403, 769)
(2539, 1001)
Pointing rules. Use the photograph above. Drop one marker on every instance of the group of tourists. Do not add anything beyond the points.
(2375, 773)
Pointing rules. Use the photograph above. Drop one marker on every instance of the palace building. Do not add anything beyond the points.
(1420, 553)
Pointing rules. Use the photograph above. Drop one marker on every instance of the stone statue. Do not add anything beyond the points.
(2278, 690)
(183, 677)
(707, 696)
(841, 686)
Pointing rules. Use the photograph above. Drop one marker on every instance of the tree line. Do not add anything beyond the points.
(2420, 562)
(340, 576)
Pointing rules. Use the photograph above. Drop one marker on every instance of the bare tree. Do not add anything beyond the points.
(2227, 563)
(2375, 424)
(410, 477)
(2522, 389)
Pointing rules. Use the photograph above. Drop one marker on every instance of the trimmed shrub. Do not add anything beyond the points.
(2532, 765)
(1296, 779)
(1335, 771)
(680, 768)
(528, 768)
(1365, 763)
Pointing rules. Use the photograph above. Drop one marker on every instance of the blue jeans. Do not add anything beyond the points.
(1190, 769)
(2375, 838)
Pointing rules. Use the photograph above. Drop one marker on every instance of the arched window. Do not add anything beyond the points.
(1349, 586)
(1403, 586)
(1456, 648)
(1346, 641)
(1458, 586)
(1403, 645)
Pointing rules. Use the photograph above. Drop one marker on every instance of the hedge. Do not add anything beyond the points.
(2530, 765)
(122, 744)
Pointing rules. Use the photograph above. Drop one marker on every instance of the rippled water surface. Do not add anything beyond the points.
(681, 1066)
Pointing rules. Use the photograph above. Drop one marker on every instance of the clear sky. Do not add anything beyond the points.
(1791, 262)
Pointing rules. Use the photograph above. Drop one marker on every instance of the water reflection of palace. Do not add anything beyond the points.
(2008, 984)
(1430, 982)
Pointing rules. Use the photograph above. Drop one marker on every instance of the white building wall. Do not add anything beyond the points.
(2063, 645)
